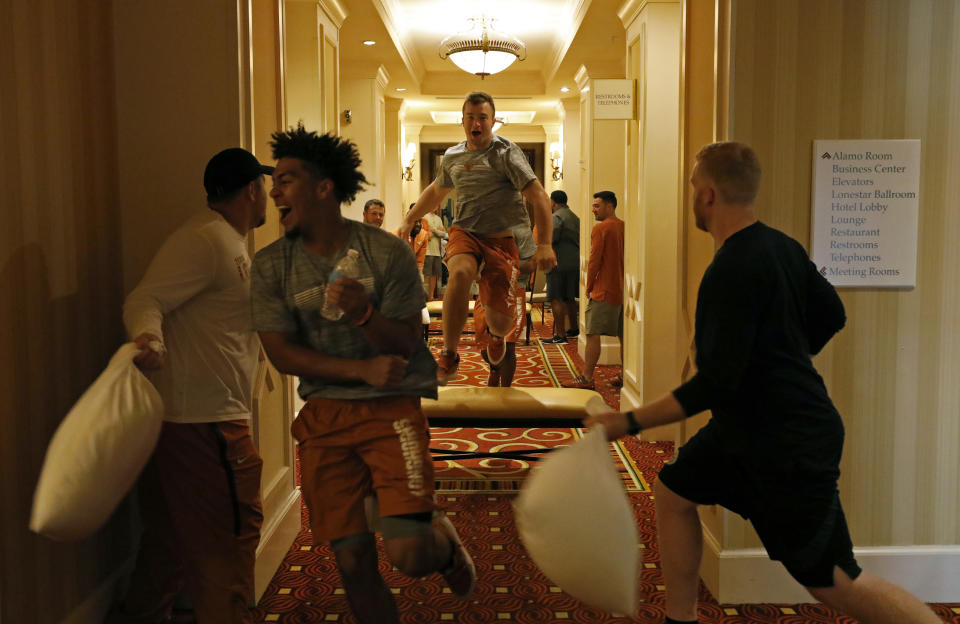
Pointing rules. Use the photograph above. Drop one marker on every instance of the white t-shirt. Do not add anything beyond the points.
(437, 234)
(195, 296)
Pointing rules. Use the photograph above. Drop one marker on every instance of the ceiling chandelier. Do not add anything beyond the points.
(482, 50)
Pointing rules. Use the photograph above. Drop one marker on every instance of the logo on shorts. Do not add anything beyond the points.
(243, 267)
(412, 456)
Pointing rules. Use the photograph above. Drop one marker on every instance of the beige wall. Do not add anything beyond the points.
(60, 284)
(890, 70)
(177, 104)
(363, 95)
(800, 71)
(654, 331)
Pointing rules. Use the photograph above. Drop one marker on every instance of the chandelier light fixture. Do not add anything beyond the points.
(482, 50)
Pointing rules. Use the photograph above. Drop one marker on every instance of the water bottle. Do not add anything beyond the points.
(349, 266)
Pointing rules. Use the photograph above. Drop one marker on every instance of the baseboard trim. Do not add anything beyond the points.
(609, 349)
(94, 609)
(275, 540)
(747, 576)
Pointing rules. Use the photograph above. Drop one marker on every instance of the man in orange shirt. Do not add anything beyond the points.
(604, 284)
(418, 239)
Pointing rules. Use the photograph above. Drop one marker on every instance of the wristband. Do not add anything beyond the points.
(633, 427)
(363, 320)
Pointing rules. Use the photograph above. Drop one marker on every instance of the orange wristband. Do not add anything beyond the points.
(363, 320)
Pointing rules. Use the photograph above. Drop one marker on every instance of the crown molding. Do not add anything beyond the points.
(334, 10)
(563, 40)
(388, 10)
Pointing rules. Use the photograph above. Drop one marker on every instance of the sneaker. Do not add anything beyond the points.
(617, 382)
(555, 340)
(461, 576)
(447, 365)
(496, 350)
(580, 382)
(573, 333)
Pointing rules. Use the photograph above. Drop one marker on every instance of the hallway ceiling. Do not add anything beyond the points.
(560, 35)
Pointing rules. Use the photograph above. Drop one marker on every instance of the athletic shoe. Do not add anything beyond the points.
(580, 382)
(617, 382)
(461, 576)
(555, 340)
(496, 350)
(573, 333)
(447, 365)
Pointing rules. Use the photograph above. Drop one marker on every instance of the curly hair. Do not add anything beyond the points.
(326, 157)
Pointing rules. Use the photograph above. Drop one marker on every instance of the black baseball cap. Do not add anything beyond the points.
(229, 170)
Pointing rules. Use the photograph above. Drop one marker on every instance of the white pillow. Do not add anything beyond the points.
(97, 451)
(575, 520)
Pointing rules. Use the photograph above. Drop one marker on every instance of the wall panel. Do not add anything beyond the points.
(60, 282)
(874, 70)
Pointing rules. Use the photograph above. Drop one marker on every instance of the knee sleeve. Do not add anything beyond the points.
(406, 525)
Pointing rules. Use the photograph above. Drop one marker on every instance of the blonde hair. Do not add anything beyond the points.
(734, 169)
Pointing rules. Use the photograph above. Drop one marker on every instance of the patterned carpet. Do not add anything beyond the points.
(510, 588)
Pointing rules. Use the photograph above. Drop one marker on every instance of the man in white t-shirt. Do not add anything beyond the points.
(200, 494)
(432, 269)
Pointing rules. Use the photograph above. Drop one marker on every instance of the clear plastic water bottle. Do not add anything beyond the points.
(349, 266)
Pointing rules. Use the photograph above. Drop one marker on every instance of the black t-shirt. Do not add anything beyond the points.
(762, 311)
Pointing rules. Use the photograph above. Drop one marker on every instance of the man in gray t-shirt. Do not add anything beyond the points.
(362, 376)
(492, 178)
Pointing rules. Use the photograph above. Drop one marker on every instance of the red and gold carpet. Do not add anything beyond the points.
(478, 496)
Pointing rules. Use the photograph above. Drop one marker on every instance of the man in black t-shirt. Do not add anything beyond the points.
(771, 451)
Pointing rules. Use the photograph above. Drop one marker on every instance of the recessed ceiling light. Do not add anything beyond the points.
(369, 42)
(564, 89)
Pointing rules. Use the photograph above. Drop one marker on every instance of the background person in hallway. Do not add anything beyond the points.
(771, 451)
(492, 178)
(433, 267)
(362, 377)
(604, 290)
(563, 282)
(200, 493)
(501, 375)
(418, 238)
(373, 212)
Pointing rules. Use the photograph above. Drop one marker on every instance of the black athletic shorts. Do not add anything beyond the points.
(563, 285)
(802, 527)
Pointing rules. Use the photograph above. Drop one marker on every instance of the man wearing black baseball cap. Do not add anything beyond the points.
(200, 493)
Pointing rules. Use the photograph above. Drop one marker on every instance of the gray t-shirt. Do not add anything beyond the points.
(287, 289)
(488, 184)
(566, 239)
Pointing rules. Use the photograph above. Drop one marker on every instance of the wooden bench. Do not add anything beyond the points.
(479, 407)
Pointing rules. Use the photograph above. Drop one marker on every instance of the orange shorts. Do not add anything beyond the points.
(482, 333)
(498, 280)
(351, 449)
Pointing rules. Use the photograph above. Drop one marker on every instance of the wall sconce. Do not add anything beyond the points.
(347, 116)
(556, 161)
(407, 159)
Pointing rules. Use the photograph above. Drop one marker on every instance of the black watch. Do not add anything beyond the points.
(633, 427)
